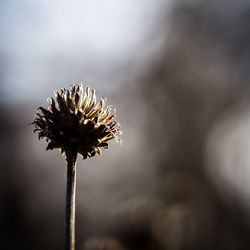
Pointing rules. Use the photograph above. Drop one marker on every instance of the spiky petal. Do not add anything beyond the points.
(75, 122)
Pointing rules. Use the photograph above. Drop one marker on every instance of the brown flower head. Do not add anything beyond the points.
(76, 123)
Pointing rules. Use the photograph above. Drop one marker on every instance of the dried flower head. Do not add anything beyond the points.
(76, 123)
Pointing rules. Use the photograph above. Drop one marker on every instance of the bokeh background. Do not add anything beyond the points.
(178, 74)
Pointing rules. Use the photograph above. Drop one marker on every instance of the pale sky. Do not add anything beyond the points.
(52, 42)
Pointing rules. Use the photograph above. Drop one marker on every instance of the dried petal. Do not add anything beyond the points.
(76, 122)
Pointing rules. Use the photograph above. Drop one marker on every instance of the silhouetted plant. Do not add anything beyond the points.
(75, 123)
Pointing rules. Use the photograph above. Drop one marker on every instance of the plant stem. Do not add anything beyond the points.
(70, 202)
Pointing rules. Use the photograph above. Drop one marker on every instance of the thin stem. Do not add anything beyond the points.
(70, 202)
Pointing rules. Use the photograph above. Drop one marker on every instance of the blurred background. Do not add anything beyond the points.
(178, 74)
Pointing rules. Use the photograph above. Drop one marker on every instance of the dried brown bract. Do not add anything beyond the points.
(75, 122)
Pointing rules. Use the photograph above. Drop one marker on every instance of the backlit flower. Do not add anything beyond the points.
(75, 122)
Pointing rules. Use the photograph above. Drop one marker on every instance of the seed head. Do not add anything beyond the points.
(75, 122)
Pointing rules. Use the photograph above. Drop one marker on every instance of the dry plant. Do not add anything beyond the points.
(76, 123)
